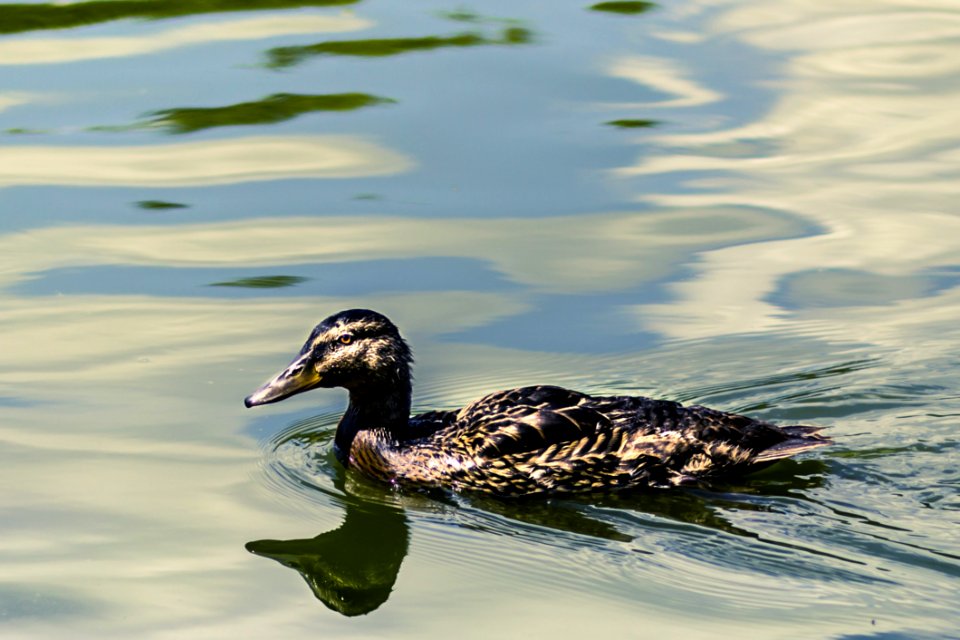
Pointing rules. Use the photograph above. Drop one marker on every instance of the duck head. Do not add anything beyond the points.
(355, 349)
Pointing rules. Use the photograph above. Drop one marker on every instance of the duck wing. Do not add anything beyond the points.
(526, 419)
(544, 439)
(426, 424)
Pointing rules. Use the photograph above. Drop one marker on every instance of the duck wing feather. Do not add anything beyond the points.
(524, 420)
(548, 439)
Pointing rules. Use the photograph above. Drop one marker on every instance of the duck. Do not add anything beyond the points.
(529, 441)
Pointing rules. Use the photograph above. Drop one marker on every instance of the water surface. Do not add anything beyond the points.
(750, 207)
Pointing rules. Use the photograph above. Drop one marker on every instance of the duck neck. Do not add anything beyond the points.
(382, 409)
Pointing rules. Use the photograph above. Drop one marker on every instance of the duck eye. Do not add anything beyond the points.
(346, 338)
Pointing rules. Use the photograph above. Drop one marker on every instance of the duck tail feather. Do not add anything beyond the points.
(791, 447)
(679, 479)
(800, 430)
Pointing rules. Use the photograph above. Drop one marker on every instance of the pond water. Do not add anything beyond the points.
(751, 206)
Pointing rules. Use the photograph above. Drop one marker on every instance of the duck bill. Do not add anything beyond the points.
(299, 376)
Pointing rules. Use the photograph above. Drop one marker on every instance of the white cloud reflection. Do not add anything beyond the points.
(209, 162)
(859, 141)
(664, 76)
(786, 25)
(8, 100)
(30, 49)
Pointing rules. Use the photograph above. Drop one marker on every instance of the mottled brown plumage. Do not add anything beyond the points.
(519, 442)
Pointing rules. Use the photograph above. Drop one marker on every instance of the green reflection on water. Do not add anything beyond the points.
(464, 15)
(275, 108)
(23, 131)
(159, 205)
(17, 18)
(262, 282)
(626, 7)
(351, 569)
(280, 57)
(632, 124)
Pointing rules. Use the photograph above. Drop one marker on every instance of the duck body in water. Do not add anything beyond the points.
(521, 442)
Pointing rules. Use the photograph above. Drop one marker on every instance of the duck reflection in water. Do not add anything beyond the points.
(351, 569)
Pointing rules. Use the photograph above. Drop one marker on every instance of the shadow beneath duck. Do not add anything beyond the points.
(351, 569)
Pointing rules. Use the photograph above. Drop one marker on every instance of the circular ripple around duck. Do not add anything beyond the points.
(300, 467)
(299, 464)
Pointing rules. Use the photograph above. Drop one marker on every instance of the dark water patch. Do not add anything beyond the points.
(848, 514)
(160, 205)
(471, 17)
(20, 603)
(792, 476)
(11, 401)
(556, 515)
(262, 282)
(278, 107)
(909, 634)
(632, 123)
(883, 452)
(18, 18)
(624, 7)
(282, 57)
